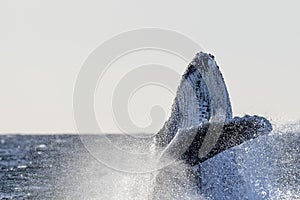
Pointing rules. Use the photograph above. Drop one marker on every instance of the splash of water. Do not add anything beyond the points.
(263, 168)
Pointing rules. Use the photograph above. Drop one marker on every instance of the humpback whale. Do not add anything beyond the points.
(201, 118)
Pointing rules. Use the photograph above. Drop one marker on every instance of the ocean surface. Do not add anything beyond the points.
(60, 167)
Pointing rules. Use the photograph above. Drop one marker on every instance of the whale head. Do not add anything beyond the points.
(201, 110)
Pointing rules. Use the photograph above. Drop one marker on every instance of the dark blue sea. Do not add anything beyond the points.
(60, 167)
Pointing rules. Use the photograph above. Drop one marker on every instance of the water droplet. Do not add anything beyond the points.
(41, 147)
(263, 193)
(22, 166)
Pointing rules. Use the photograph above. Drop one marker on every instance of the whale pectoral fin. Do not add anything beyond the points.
(239, 130)
(187, 142)
(181, 142)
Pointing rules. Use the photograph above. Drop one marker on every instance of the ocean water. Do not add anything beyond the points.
(60, 167)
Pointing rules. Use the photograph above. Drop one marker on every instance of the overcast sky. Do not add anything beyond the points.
(44, 43)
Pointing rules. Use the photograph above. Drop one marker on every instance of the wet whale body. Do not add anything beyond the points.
(201, 96)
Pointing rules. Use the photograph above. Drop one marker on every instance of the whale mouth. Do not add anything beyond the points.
(201, 124)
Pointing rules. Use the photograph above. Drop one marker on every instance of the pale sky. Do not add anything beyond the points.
(43, 45)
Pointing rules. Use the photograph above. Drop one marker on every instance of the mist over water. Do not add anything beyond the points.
(262, 168)
(60, 167)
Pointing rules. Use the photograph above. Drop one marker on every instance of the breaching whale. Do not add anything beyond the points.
(201, 119)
